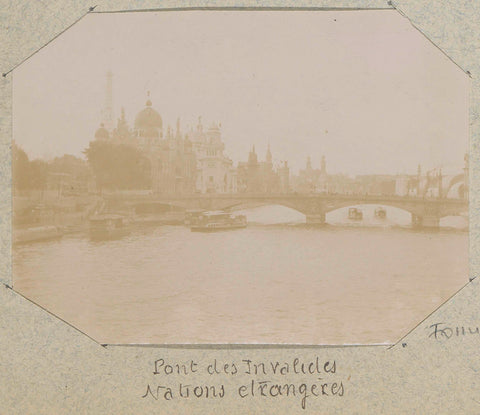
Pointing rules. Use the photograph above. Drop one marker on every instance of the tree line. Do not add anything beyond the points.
(111, 165)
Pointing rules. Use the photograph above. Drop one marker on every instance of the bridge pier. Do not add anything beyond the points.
(425, 221)
(316, 219)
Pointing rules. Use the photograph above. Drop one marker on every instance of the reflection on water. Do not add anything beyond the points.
(263, 284)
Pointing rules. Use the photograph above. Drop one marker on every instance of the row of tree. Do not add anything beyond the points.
(26, 174)
(111, 165)
(118, 166)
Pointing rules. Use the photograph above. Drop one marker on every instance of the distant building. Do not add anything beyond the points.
(172, 159)
(215, 171)
(256, 176)
(376, 184)
(312, 180)
(179, 163)
(283, 172)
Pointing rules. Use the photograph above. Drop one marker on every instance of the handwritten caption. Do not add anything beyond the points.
(295, 379)
(442, 331)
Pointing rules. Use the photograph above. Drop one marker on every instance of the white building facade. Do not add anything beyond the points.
(215, 171)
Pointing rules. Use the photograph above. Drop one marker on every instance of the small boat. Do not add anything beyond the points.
(380, 213)
(107, 226)
(191, 216)
(355, 214)
(218, 221)
(35, 234)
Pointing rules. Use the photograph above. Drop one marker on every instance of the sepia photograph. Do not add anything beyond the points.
(240, 177)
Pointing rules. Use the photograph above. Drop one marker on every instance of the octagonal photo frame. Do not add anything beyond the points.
(313, 213)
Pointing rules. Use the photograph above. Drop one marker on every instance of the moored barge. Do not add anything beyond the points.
(217, 221)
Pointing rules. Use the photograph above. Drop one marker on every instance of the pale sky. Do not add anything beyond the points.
(363, 88)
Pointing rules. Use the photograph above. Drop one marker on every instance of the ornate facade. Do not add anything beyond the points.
(256, 176)
(215, 171)
(313, 180)
(193, 163)
(172, 159)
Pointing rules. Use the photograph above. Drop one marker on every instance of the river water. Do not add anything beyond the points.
(270, 283)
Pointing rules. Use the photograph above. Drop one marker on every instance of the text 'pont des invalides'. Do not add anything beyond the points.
(295, 379)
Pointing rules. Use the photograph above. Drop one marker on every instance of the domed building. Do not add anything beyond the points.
(148, 123)
(172, 159)
(179, 163)
(173, 165)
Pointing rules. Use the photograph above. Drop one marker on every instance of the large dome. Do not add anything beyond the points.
(148, 118)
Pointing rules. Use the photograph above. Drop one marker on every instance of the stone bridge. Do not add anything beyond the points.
(426, 212)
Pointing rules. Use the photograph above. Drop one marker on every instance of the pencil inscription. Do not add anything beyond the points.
(441, 331)
(267, 379)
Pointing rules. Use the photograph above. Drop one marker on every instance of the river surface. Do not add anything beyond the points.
(263, 284)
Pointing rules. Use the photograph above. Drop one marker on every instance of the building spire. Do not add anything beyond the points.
(177, 133)
(323, 166)
(122, 131)
(252, 157)
(268, 157)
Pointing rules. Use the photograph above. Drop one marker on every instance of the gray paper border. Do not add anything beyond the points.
(47, 367)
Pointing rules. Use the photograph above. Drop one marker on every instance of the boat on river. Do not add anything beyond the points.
(380, 213)
(217, 221)
(355, 214)
(192, 215)
(108, 226)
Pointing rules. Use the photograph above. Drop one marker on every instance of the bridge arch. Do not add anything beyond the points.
(456, 190)
(348, 204)
(417, 212)
(243, 205)
(395, 215)
(269, 213)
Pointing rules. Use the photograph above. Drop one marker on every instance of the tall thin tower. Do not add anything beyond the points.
(108, 106)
